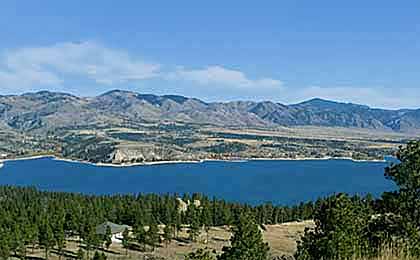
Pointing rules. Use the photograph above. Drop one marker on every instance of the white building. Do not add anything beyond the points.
(116, 231)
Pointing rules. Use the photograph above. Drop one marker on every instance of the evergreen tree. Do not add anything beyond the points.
(406, 175)
(152, 235)
(193, 217)
(246, 243)
(126, 240)
(60, 239)
(206, 220)
(200, 254)
(194, 230)
(80, 254)
(108, 237)
(338, 234)
(89, 236)
(140, 235)
(32, 235)
(168, 234)
(4, 245)
(32, 217)
(46, 237)
(99, 256)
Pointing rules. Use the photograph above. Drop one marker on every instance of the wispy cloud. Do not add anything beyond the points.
(93, 64)
(27, 68)
(52, 65)
(218, 75)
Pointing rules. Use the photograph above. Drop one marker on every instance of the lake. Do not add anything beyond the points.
(283, 182)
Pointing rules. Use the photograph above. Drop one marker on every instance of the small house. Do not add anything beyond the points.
(116, 230)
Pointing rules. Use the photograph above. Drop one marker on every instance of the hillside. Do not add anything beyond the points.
(125, 127)
(45, 110)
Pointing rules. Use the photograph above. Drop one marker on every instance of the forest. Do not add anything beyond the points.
(32, 218)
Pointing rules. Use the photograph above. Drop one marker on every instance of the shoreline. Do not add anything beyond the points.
(238, 160)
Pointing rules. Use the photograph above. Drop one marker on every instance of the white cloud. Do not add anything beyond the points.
(217, 75)
(52, 65)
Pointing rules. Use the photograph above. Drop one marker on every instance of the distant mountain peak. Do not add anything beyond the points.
(53, 109)
(117, 92)
(177, 98)
(329, 104)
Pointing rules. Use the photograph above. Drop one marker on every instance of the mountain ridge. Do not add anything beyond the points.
(46, 109)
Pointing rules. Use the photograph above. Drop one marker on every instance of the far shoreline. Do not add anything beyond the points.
(236, 160)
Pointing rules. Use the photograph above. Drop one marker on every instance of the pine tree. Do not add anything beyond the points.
(246, 243)
(200, 254)
(89, 236)
(108, 237)
(406, 175)
(140, 235)
(60, 239)
(340, 223)
(99, 256)
(126, 240)
(206, 220)
(4, 245)
(153, 235)
(32, 235)
(194, 221)
(46, 237)
(167, 234)
(80, 254)
(194, 230)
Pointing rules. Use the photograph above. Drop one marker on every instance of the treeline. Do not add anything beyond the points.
(30, 217)
(350, 228)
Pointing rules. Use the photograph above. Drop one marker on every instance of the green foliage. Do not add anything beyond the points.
(99, 256)
(152, 235)
(46, 237)
(30, 217)
(339, 224)
(4, 246)
(352, 227)
(108, 237)
(200, 254)
(194, 220)
(125, 239)
(246, 243)
(80, 254)
(168, 234)
(59, 238)
(140, 235)
(406, 175)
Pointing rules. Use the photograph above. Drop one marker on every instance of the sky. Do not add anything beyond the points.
(287, 51)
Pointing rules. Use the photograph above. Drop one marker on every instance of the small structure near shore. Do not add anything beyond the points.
(116, 231)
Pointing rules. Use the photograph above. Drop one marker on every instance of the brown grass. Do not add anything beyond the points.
(281, 238)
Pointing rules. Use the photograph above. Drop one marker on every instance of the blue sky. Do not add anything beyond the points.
(286, 51)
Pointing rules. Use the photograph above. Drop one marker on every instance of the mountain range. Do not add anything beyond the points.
(46, 110)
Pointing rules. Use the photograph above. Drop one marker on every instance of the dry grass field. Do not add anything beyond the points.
(281, 238)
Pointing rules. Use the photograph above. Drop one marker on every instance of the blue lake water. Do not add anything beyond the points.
(279, 182)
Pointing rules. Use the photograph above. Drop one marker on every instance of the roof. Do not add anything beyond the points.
(115, 228)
